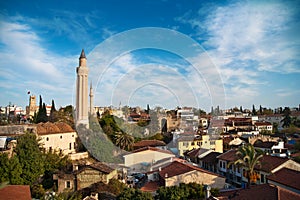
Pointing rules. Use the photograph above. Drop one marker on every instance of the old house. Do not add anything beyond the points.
(269, 165)
(58, 137)
(140, 160)
(84, 176)
(287, 179)
(179, 172)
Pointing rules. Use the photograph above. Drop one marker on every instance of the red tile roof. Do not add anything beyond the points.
(287, 177)
(267, 144)
(176, 168)
(52, 128)
(211, 157)
(264, 191)
(268, 163)
(151, 186)
(150, 143)
(263, 123)
(229, 155)
(193, 153)
(13, 192)
(152, 149)
(97, 166)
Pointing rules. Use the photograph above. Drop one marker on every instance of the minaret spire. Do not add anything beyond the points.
(82, 59)
(82, 55)
(82, 91)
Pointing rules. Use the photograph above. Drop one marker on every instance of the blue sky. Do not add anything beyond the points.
(248, 52)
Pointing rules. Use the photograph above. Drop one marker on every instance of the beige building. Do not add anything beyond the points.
(58, 137)
(188, 142)
(84, 177)
(178, 172)
(142, 159)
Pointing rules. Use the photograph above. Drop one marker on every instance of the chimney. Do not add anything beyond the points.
(207, 191)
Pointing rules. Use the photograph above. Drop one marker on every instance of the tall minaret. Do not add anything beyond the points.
(82, 91)
(91, 100)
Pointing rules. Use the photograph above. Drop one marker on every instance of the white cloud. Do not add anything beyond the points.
(257, 32)
(29, 66)
(246, 40)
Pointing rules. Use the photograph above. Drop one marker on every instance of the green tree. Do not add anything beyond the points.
(183, 191)
(260, 110)
(53, 161)
(42, 113)
(15, 171)
(248, 159)
(28, 151)
(134, 194)
(275, 127)
(52, 117)
(4, 167)
(124, 141)
(254, 110)
(287, 120)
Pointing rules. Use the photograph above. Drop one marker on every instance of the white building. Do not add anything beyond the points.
(59, 137)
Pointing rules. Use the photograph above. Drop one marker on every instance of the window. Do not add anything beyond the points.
(70, 146)
(220, 164)
(224, 165)
(68, 184)
(61, 137)
(47, 139)
(72, 135)
(262, 178)
(50, 149)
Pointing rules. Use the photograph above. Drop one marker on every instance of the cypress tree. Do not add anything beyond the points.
(253, 110)
(40, 111)
(44, 113)
(52, 112)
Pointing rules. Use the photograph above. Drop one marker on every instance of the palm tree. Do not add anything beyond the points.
(124, 141)
(248, 159)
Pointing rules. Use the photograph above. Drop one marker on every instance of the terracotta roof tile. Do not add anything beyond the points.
(268, 163)
(151, 186)
(229, 155)
(99, 166)
(53, 128)
(102, 167)
(264, 144)
(211, 157)
(177, 168)
(264, 191)
(263, 123)
(150, 143)
(13, 192)
(287, 177)
(152, 149)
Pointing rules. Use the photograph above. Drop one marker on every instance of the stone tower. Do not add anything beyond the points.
(82, 91)
(32, 108)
